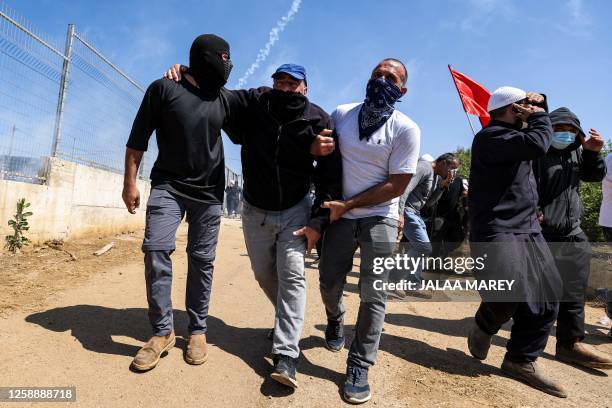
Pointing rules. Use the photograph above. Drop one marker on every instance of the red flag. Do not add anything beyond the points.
(474, 96)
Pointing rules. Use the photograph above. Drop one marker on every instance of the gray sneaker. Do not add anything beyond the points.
(479, 342)
(530, 374)
(356, 387)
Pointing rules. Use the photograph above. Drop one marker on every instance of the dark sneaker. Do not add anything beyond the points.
(531, 374)
(334, 335)
(479, 342)
(285, 369)
(584, 355)
(356, 387)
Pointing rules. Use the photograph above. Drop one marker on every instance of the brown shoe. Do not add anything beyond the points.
(530, 374)
(197, 350)
(584, 355)
(148, 356)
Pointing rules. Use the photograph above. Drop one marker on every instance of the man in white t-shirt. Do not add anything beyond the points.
(380, 148)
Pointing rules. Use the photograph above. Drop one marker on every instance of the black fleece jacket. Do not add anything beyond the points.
(559, 174)
(277, 165)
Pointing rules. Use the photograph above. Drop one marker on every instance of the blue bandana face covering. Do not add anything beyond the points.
(561, 140)
(381, 95)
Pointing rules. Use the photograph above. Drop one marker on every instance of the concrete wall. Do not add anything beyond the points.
(76, 200)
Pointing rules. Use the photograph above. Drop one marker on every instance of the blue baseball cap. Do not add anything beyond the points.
(294, 70)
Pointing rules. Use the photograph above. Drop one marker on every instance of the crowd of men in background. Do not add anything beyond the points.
(523, 208)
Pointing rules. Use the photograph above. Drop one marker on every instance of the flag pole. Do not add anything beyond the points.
(461, 100)
(470, 122)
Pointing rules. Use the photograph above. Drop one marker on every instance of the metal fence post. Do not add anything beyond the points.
(57, 134)
(13, 130)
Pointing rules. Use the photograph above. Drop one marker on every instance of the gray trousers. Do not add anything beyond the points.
(375, 236)
(277, 260)
(165, 211)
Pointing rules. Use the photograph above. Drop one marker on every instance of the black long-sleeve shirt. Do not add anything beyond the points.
(188, 126)
(503, 191)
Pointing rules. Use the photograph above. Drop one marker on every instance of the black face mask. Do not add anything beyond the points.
(206, 63)
(286, 106)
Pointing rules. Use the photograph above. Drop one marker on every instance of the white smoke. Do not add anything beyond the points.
(272, 39)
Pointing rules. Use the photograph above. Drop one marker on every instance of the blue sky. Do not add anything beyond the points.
(562, 48)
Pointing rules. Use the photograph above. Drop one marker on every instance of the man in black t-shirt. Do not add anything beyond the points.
(188, 177)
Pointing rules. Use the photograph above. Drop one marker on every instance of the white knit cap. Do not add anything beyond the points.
(504, 96)
(427, 157)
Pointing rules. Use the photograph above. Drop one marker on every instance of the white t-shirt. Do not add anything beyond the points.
(392, 149)
(605, 213)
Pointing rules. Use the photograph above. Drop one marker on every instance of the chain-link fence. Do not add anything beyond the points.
(62, 100)
(30, 72)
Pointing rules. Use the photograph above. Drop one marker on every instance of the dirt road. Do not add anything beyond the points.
(81, 325)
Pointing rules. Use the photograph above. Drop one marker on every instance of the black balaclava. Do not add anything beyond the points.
(206, 64)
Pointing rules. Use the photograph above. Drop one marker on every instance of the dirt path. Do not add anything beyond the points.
(83, 331)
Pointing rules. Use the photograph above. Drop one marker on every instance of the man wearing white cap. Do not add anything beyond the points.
(505, 230)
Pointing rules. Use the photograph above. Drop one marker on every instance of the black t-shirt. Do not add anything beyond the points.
(188, 126)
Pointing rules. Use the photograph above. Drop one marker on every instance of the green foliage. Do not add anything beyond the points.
(465, 158)
(589, 192)
(591, 200)
(19, 224)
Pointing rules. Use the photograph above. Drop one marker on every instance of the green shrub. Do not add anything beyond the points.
(19, 224)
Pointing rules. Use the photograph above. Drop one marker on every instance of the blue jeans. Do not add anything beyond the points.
(415, 232)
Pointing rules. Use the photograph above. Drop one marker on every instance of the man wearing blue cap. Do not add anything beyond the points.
(294, 71)
(282, 134)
